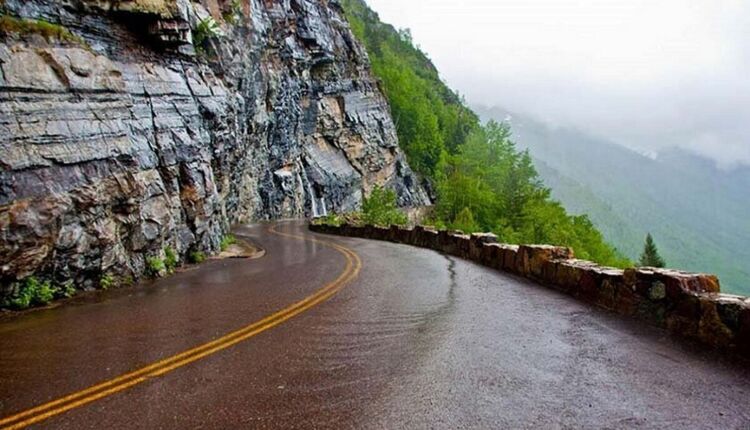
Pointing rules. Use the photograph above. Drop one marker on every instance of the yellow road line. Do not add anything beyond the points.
(161, 367)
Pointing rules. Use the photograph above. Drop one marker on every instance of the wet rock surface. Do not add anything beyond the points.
(132, 140)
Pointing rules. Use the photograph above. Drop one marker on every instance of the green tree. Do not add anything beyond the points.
(465, 221)
(483, 182)
(650, 256)
(431, 120)
(380, 208)
(490, 185)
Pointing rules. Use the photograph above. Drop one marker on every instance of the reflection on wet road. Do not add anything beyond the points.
(417, 340)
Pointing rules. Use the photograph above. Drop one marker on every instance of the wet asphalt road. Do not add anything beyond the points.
(417, 340)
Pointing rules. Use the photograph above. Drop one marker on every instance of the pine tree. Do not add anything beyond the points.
(650, 256)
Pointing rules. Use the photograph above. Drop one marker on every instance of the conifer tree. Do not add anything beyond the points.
(650, 256)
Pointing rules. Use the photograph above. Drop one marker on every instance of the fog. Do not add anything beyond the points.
(646, 74)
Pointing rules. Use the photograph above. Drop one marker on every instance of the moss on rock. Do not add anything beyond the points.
(10, 26)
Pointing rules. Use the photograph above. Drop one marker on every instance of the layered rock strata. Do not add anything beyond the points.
(160, 123)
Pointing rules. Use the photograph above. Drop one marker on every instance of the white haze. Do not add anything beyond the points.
(648, 74)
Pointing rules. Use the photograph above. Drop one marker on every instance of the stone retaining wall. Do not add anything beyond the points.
(686, 304)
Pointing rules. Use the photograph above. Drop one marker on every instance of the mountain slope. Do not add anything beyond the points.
(430, 118)
(482, 181)
(698, 214)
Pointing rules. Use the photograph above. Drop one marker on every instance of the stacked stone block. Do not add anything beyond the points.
(687, 304)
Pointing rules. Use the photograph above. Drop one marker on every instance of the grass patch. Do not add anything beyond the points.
(226, 241)
(379, 208)
(171, 259)
(330, 219)
(155, 266)
(197, 257)
(107, 281)
(17, 26)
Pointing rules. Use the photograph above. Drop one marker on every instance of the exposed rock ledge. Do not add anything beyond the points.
(113, 149)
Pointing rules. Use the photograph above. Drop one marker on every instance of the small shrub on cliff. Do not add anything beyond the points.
(155, 266)
(235, 11)
(21, 299)
(32, 292)
(107, 281)
(170, 259)
(205, 30)
(226, 241)
(66, 290)
(197, 257)
(380, 208)
(43, 291)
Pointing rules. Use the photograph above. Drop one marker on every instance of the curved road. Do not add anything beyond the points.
(363, 334)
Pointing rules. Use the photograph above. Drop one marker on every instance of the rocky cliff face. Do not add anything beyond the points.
(134, 125)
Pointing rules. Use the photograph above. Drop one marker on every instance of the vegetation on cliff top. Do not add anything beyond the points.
(430, 118)
(10, 25)
(484, 183)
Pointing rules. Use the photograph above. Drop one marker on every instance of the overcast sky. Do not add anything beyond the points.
(646, 74)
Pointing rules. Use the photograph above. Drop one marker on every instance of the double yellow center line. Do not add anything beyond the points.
(159, 368)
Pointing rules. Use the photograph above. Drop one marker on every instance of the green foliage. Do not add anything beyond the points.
(380, 208)
(197, 257)
(31, 292)
(10, 25)
(484, 183)
(431, 120)
(107, 281)
(650, 256)
(330, 219)
(19, 300)
(489, 185)
(206, 29)
(155, 266)
(67, 289)
(624, 192)
(170, 259)
(436, 223)
(226, 241)
(465, 222)
(234, 13)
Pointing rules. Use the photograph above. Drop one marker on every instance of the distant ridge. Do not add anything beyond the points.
(698, 213)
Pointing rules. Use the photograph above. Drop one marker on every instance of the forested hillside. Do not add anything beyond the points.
(698, 214)
(483, 182)
(430, 118)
